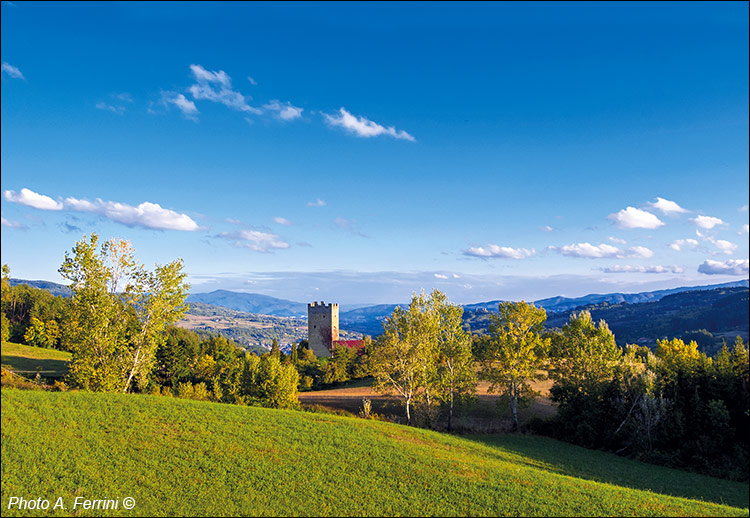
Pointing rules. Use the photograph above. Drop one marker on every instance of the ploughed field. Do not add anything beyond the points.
(184, 457)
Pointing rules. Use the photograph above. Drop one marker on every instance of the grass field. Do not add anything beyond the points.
(27, 361)
(182, 457)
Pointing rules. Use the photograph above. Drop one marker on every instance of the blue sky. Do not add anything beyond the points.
(359, 152)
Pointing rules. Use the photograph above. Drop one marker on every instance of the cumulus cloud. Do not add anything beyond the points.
(217, 87)
(631, 217)
(31, 199)
(618, 240)
(363, 127)
(255, 240)
(284, 111)
(642, 269)
(147, 214)
(667, 207)
(440, 276)
(316, 203)
(12, 71)
(603, 250)
(11, 224)
(679, 243)
(498, 252)
(185, 105)
(725, 246)
(707, 222)
(730, 267)
(640, 251)
(281, 221)
(745, 229)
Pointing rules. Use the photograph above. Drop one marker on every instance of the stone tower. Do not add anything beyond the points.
(322, 327)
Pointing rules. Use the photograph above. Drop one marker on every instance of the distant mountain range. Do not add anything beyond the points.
(251, 303)
(266, 305)
(718, 311)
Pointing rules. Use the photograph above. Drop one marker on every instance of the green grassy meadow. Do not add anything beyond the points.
(183, 457)
(27, 361)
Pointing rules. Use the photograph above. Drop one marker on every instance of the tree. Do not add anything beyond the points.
(516, 352)
(424, 354)
(114, 334)
(401, 359)
(455, 376)
(157, 299)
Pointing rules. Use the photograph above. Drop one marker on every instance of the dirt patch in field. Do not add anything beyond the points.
(481, 417)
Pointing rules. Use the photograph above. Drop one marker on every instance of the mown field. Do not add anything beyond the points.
(183, 457)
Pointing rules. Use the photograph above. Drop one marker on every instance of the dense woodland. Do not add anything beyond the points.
(672, 404)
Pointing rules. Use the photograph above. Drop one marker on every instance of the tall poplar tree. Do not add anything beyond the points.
(515, 353)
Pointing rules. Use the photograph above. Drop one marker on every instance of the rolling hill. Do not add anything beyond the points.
(178, 457)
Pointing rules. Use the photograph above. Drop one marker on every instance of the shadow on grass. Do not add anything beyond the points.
(575, 461)
(30, 366)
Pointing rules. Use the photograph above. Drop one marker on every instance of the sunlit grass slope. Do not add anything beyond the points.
(181, 457)
(27, 360)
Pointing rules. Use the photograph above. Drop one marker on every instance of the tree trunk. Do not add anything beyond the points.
(408, 414)
(514, 405)
(450, 415)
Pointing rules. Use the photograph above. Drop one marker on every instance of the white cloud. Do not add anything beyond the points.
(255, 240)
(440, 276)
(667, 207)
(707, 222)
(642, 269)
(631, 217)
(499, 252)
(282, 221)
(744, 230)
(217, 87)
(547, 228)
(284, 111)
(679, 243)
(618, 240)
(316, 203)
(146, 214)
(119, 110)
(589, 250)
(603, 250)
(363, 127)
(725, 246)
(729, 267)
(11, 224)
(12, 71)
(31, 199)
(640, 251)
(185, 105)
(252, 81)
(743, 208)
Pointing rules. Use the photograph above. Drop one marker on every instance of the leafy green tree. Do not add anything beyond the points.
(275, 350)
(455, 376)
(42, 334)
(516, 352)
(402, 358)
(157, 299)
(114, 334)
(96, 330)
